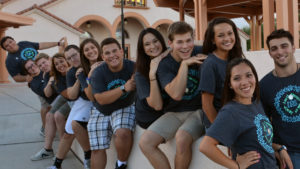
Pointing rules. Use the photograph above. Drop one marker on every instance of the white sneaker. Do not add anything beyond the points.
(42, 131)
(42, 154)
(87, 164)
(53, 167)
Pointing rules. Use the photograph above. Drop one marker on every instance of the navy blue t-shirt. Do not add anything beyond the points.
(37, 85)
(103, 79)
(245, 128)
(27, 50)
(145, 115)
(281, 100)
(167, 70)
(60, 83)
(213, 74)
(71, 79)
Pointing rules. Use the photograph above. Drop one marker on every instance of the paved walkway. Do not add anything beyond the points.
(19, 130)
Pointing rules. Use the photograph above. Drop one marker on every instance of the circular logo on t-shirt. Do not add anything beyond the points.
(287, 103)
(192, 85)
(264, 131)
(28, 53)
(115, 84)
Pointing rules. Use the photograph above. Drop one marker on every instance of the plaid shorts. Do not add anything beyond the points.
(101, 127)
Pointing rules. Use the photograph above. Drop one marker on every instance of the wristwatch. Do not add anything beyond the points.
(123, 88)
(281, 148)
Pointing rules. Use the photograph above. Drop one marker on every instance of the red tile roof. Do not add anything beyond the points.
(40, 8)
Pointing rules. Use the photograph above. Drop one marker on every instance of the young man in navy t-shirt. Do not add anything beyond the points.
(178, 75)
(113, 88)
(280, 95)
(19, 52)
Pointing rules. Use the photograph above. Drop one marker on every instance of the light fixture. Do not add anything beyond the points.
(125, 21)
(88, 24)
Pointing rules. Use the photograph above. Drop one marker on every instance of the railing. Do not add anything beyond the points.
(131, 3)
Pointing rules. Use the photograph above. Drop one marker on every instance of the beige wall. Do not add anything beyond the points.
(138, 161)
(72, 10)
(40, 32)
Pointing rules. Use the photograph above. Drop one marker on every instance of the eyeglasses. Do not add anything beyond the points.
(72, 57)
(30, 67)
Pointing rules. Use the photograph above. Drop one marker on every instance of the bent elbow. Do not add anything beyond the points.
(157, 107)
(176, 97)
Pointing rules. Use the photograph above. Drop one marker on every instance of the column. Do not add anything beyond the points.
(282, 14)
(181, 9)
(3, 70)
(293, 20)
(268, 19)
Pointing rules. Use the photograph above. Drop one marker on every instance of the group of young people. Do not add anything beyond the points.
(185, 91)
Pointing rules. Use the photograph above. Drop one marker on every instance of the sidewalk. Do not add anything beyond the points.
(20, 123)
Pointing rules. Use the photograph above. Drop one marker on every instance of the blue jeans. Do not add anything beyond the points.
(295, 157)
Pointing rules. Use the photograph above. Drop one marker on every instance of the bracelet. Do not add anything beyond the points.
(88, 81)
(152, 79)
(238, 164)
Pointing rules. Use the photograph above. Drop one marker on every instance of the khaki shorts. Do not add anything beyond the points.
(60, 104)
(44, 103)
(169, 123)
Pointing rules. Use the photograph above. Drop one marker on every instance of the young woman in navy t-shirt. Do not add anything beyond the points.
(241, 123)
(221, 44)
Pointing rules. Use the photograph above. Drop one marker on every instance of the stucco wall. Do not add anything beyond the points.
(263, 64)
(40, 32)
(138, 161)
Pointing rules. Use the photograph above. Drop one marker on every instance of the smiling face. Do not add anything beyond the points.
(32, 68)
(44, 64)
(282, 52)
(224, 37)
(91, 52)
(152, 46)
(182, 46)
(60, 64)
(10, 45)
(242, 82)
(73, 57)
(113, 56)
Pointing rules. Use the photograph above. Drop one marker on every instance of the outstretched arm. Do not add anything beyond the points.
(47, 45)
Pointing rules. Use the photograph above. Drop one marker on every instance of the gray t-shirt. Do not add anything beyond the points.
(245, 128)
(167, 70)
(27, 50)
(103, 80)
(145, 115)
(213, 74)
(71, 79)
(281, 100)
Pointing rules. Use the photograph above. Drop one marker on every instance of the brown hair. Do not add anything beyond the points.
(179, 28)
(280, 33)
(228, 93)
(41, 56)
(209, 46)
(54, 72)
(143, 60)
(85, 63)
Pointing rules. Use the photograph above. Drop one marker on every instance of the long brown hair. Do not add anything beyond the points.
(228, 93)
(85, 63)
(143, 60)
(209, 46)
(54, 72)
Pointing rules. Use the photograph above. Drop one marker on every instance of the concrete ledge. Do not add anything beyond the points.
(137, 160)
(263, 64)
